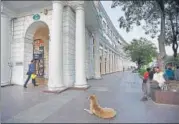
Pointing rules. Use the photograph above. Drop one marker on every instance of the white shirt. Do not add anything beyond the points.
(159, 78)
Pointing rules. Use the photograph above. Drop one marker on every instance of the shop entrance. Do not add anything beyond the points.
(38, 56)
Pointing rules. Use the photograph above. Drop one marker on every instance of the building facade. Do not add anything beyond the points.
(71, 41)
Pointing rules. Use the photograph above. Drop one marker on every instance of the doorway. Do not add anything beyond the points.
(38, 56)
(37, 48)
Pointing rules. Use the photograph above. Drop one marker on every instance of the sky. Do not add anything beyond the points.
(137, 32)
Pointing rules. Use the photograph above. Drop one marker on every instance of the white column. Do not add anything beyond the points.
(123, 65)
(97, 56)
(80, 51)
(114, 62)
(108, 61)
(111, 62)
(5, 49)
(118, 63)
(103, 60)
(55, 81)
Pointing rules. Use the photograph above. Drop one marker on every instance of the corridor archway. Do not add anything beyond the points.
(37, 47)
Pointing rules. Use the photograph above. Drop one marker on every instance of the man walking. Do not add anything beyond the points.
(31, 71)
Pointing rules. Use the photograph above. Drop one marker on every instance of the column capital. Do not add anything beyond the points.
(4, 15)
(80, 7)
(76, 5)
(60, 2)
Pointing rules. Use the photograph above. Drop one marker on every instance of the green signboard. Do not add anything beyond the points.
(36, 17)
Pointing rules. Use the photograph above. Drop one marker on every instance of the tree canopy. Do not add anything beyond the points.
(141, 51)
(150, 14)
(172, 25)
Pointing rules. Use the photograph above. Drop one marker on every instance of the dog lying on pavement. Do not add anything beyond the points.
(97, 110)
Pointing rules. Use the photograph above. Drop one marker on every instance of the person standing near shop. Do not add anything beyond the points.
(177, 73)
(146, 85)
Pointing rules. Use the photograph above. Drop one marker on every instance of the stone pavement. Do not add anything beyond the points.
(121, 91)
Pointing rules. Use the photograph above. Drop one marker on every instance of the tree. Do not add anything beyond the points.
(152, 12)
(172, 26)
(141, 51)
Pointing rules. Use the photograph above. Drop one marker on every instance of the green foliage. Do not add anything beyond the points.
(136, 11)
(141, 71)
(171, 59)
(172, 25)
(141, 51)
(151, 15)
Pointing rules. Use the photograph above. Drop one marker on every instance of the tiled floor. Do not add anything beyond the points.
(121, 91)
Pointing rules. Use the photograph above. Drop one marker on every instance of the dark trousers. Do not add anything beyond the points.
(146, 88)
(28, 78)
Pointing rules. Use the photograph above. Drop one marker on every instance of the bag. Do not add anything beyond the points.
(33, 76)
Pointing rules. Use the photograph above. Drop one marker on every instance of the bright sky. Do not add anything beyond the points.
(137, 32)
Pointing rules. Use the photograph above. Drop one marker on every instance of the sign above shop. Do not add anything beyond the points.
(36, 17)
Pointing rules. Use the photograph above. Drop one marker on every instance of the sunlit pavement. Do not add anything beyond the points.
(121, 91)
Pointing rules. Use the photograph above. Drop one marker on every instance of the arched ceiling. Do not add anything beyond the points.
(38, 30)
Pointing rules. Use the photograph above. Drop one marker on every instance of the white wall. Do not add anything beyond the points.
(68, 46)
(91, 58)
(89, 63)
(5, 49)
(21, 48)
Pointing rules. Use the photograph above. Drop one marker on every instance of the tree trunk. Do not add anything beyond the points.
(174, 41)
(162, 32)
(139, 64)
(161, 41)
(175, 48)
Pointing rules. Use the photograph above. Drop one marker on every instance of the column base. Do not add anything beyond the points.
(108, 73)
(81, 87)
(55, 89)
(97, 77)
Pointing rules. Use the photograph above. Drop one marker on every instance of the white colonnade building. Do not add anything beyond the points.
(72, 41)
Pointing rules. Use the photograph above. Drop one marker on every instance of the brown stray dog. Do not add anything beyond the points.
(97, 110)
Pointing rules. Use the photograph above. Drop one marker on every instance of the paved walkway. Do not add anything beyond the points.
(121, 91)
